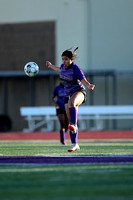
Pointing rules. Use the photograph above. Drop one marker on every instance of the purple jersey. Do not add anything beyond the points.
(59, 93)
(71, 77)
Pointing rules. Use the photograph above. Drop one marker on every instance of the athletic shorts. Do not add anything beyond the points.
(84, 93)
(60, 111)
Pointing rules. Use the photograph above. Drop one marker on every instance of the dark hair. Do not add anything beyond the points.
(70, 54)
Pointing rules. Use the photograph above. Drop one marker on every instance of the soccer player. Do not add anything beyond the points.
(74, 81)
(59, 101)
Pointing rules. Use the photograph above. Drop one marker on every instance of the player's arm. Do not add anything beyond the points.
(54, 101)
(55, 68)
(87, 84)
(82, 78)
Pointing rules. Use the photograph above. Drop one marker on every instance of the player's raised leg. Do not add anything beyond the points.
(75, 100)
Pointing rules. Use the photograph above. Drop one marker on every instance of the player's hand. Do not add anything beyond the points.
(91, 87)
(57, 107)
(48, 63)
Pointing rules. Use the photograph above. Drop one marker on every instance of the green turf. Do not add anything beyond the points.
(103, 181)
(40, 148)
(66, 182)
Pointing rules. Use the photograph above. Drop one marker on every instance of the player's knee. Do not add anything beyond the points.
(71, 103)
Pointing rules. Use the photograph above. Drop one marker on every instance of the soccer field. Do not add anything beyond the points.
(37, 170)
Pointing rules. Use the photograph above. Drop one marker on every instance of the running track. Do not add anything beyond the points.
(86, 135)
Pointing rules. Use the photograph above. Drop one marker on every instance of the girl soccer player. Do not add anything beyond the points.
(59, 101)
(74, 81)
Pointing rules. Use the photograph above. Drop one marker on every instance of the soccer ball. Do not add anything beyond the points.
(31, 69)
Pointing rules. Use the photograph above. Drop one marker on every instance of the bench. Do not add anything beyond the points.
(105, 112)
(38, 117)
(45, 115)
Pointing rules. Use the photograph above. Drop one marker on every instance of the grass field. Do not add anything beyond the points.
(109, 181)
(28, 148)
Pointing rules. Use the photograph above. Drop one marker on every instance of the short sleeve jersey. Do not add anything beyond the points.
(71, 77)
(59, 93)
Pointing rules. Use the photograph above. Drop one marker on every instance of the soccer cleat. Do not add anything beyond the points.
(72, 128)
(74, 147)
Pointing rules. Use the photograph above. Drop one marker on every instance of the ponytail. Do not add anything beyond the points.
(70, 54)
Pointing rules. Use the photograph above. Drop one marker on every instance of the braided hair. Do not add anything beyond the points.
(69, 53)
